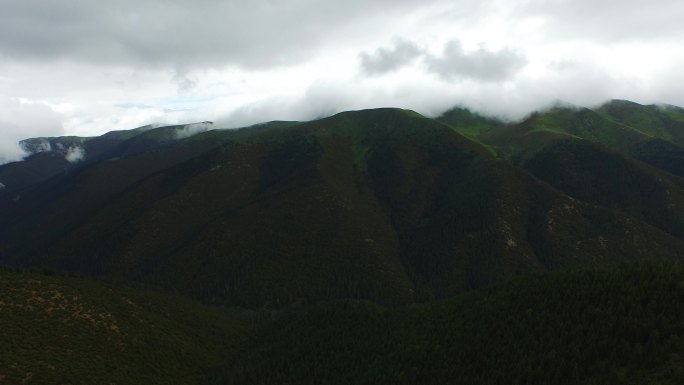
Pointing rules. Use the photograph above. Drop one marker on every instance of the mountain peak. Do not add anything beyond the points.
(386, 111)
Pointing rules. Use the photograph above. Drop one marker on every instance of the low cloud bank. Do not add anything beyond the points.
(21, 120)
(75, 154)
(193, 129)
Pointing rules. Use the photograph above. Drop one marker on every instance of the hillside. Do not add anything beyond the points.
(620, 325)
(374, 246)
(651, 134)
(67, 330)
(597, 326)
(384, 205)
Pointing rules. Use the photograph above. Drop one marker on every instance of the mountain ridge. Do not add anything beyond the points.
(372, 246)
(408, 207)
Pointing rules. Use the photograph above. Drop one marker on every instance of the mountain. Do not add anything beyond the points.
(622, 155)
(373, 246)
(664, 123)
(384, 205)
(51, 156)
(651, 134)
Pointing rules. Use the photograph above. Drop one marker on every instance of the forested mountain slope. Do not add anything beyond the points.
(385, 205)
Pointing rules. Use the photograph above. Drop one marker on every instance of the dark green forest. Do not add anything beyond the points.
(618, 325)
(622, 325)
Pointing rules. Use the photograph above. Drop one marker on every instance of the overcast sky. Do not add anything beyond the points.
(84, 67)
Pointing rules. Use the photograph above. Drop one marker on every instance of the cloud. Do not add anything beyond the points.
(10, 151)
(481, 64)
(608, 20)
(453, 64)
(83, 67)
(75, 154)
(42, 146)
(184, 80)
(581, 84)
(385, 60)
(185, 33)
(141, 106)
(189, 130)
(21, 120)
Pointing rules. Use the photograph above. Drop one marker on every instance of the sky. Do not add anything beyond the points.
(83, 67)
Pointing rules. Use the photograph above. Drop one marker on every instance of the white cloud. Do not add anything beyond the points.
(21, 119)
(481, 64)
(186, 33)
(83, 68)
(385, 60)
(193, 129)
(609, 21)
(74, 154)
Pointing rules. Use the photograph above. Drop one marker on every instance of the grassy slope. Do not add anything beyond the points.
(468, 123)
(596, 157)
(652, 134)
(665, 124)
(523, 140)
(59, 330)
